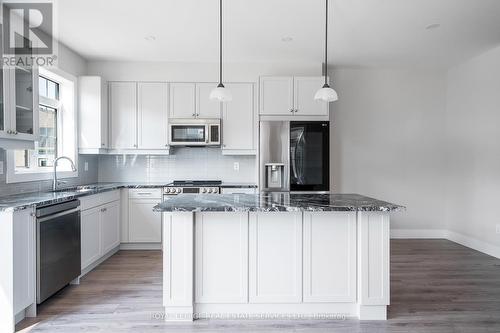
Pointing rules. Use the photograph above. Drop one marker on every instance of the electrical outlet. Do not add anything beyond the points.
(1, 167)
(236, 166)
(86, 166)
(498, 228)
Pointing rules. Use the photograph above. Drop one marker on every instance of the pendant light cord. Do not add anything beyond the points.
(220, 42)
(326, 41)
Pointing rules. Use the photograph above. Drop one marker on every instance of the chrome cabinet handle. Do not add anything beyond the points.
(102, 144)
(194, 114)
(296, 110)
(103, 209)
(291, 110)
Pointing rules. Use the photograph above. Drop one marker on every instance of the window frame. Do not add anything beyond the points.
(66, 115)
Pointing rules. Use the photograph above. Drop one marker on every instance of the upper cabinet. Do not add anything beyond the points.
(292, 97)
(239, 121)
(19, 107)
(92, 115)
(123, 115)
(138, 116)
(152, 115)
(191, 100)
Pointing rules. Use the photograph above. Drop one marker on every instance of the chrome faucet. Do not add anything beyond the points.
(55, 182)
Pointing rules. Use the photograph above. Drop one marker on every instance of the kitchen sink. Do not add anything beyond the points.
(80, 189)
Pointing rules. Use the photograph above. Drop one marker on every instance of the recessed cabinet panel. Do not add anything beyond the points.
(90, 236)
(304, 90)
(144, 224)
(329, 257)
(123, 115)
(276, 95)
(221, 259)
(152, 115)
(182, 100)
(239, 118)
(110, 226)
(205, 107)
(275, 257)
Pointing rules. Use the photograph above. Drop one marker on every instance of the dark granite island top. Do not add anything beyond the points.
(274, 202)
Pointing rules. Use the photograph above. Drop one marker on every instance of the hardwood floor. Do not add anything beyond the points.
(436, 286)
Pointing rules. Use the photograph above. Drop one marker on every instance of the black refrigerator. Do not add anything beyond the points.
(309, 156)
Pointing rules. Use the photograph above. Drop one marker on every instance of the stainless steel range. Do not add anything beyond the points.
(192, 187)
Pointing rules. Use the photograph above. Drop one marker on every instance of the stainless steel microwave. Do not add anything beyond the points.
(194, 132)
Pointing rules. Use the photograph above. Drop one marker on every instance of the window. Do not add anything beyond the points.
(57, 131)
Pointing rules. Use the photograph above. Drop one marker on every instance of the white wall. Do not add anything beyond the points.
(387, 140)
(473, 148)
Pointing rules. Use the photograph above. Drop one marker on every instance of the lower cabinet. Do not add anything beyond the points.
(100, 231)
(144, 224)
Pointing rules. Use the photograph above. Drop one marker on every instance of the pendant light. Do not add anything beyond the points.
(220, 93)
(326, 93)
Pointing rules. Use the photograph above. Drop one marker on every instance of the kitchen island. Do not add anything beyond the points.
(275, 255)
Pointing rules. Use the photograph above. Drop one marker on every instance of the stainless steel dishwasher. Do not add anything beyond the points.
(58, 247)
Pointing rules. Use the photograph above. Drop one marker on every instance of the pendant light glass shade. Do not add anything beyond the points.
(326, 94)
(221, 93)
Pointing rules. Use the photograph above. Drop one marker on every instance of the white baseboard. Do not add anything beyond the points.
(140, 246)
(470, 242)
(473, 243)
(418, 233)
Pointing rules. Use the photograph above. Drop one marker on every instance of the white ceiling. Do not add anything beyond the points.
(363, 32)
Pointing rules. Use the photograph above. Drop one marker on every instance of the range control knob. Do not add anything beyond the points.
(179, 190)
(203, 190)
(209, 190)
(216, 190)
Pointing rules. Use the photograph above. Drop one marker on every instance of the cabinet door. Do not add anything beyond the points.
(239, 122)
(144, 224)
(182, 100)
(275, 257)
(4, 115)
(304, 103)
(276, 95)
(90, 236)
(329, 257)
(110, 226)
(24, 229)
(93, 113)
(123, 114)
(23, 84)
(152, 115)
(206, 107)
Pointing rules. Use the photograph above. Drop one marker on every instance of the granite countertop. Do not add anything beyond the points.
(24, 200)
(274, 202)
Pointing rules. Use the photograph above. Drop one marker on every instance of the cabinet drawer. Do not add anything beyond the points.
(95, 200)
(239, 190)
(145, 193)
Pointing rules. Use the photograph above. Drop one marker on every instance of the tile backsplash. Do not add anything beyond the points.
(84, 177)
(184, 163)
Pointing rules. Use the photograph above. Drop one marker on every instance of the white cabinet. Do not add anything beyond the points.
(329, 257)
(275, 257)
(239, 123)
(138, 117)
(92, 115)
(24, 259)
(291, 97)
(19, 108)
(221, 258)
(90, 236)
(304, 89)
(191, 100)
(206, 107)
(276, 95)
(123, 115)
(100, 226)
(144, 225)
(182, 100)
(152, 116)
(110, 226)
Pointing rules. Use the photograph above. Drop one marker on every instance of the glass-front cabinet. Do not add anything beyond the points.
(18, 105)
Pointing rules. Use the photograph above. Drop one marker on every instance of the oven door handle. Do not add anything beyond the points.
(50, 217)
